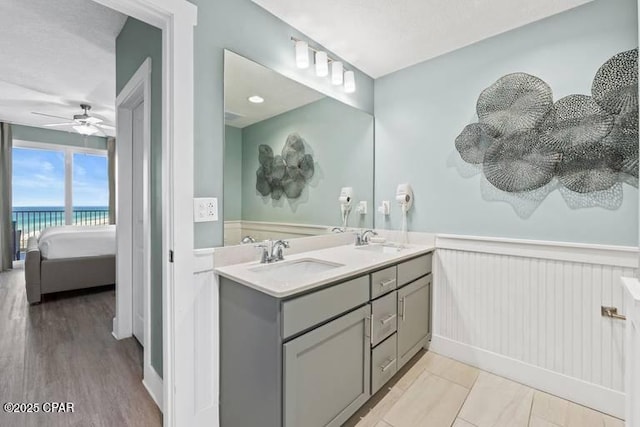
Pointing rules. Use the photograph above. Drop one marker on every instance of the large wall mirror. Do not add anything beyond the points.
(289, 150)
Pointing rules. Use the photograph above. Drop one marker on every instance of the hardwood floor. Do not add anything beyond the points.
(62, 350)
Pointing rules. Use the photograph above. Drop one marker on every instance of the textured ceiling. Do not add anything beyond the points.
(56, 55)
(383, 36)
(244, 78)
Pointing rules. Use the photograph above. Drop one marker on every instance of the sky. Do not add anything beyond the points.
(38, 178)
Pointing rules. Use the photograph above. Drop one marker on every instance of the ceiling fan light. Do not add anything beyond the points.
(322, 64)
(85, 130)
(349, 81)
(302, 54)
(336, 72)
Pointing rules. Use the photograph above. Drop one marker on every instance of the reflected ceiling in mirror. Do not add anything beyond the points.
(269, 191)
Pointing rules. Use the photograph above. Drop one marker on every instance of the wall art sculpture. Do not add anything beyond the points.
(583, 145)
(286, 173)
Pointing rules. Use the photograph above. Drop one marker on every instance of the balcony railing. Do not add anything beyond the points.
(30, 222)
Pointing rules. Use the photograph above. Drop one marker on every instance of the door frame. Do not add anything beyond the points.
(176, 19)
(136, 91)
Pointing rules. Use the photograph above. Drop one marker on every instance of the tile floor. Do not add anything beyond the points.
(434, 391)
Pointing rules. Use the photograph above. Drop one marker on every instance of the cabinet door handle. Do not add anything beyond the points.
(401, 309)
(388, 319)
(388, 365)
(386, 283)
(368, 327)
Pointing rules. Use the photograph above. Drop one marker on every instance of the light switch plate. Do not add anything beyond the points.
(362, 207)
(205, 209)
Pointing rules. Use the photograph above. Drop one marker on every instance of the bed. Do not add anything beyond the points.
(70, 257)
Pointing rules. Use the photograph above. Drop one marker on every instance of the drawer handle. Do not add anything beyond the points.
(387, 283)
(388, 319)
(388, 365)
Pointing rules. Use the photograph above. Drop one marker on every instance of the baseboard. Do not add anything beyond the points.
(591, 395)
(153, 383)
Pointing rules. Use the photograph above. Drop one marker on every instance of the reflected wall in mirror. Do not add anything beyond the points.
(290, 192)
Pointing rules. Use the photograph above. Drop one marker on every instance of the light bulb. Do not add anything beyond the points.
(322, 64)
(349, 81)
(336, 73)
(302, 54)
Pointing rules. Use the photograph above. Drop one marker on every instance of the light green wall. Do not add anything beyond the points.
(136, 42)
(340, 138)
(250, 31)
(232, 173)
(420, 111)
(51, 136)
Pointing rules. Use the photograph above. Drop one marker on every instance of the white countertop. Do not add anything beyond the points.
(355, 261)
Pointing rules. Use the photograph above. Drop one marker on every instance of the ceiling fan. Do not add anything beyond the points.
(83, 123)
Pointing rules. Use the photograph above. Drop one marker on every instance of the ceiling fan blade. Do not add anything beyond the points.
(59, 124)
(105, 126)
(93, 120)
(50, 115)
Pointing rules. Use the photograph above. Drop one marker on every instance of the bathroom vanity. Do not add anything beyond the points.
(307, 341)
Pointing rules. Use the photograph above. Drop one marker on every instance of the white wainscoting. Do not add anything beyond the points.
(530, 311)
(205, 319)
(234, 231)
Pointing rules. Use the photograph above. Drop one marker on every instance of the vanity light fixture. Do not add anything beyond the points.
(256, 99)
(302, 54)
(349, 81)
(339, 75)
(322, 64)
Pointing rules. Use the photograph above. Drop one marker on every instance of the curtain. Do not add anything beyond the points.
(6, 230)
(111, 154)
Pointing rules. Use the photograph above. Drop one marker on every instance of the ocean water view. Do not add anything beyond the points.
(30, 220)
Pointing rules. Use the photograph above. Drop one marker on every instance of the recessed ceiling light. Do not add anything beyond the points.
(256, 99)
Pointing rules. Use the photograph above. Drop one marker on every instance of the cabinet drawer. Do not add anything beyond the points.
(383, 281)
(411, 270)
(383, 363)
(306, 311)
(384, 317)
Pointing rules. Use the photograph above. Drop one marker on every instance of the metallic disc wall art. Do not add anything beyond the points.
(587, 146)
(520, 162)
(588, 168)
(286, 174)
(615, 86)
(575, 120)
(473, 141)
(514, 103)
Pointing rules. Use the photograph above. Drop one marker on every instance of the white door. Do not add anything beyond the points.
(137, 183)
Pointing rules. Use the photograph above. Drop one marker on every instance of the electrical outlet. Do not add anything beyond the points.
(205, 209)
(362, 207)
(385, 207)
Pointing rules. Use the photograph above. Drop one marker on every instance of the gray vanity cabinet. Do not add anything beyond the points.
(413, 318)
(313, 358)
(326, 372)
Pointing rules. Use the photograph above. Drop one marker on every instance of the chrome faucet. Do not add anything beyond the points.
(272, 251)
(363, 238)
(276, 250)
(337, 230)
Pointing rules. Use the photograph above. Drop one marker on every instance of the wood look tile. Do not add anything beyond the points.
(372, 412)
(549, 408)
(495, 401)
(411, 371)
(580, 416)
(459, 422)
(450, 369)
(541, 422)
(382, 423)
(430, 401)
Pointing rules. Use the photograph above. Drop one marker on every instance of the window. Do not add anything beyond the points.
(90, 189)
(57, 185)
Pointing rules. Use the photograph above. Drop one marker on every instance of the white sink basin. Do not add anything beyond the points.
(297, 268)
(381, 249)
